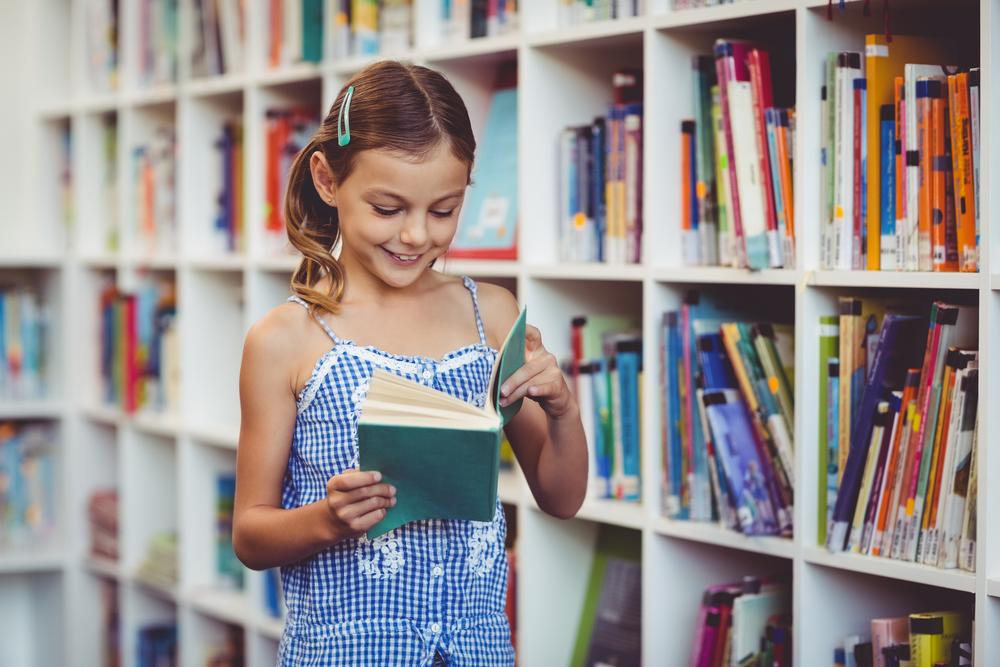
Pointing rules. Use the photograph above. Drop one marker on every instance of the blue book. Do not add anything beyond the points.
(628, 354)
(673, 495)
(736, 446)
(597, 194)
(887, 193)
(489, 217)
(900, 347)
(716, 369)
(604, 438)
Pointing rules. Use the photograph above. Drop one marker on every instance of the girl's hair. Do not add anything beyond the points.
(396, 107)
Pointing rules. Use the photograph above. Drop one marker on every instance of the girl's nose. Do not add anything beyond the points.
(414, 230)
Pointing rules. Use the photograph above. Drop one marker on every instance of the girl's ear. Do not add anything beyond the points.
(322, 177)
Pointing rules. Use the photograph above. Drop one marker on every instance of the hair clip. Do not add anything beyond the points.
(344, 138)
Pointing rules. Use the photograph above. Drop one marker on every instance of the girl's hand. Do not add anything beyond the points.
(357, 501)
(540, 378)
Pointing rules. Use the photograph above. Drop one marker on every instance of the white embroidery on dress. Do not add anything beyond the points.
(482, 547)
(317, 380)
(357, 396)
(380, 558)
(476, 398)
(376, 359)
(460, 360)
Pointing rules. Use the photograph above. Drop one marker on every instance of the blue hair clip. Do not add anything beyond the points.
(344, 138)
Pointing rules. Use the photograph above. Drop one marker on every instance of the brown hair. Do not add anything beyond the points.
(397, 107)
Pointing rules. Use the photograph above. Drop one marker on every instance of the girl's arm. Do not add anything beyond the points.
(546, 434)
(264, 534)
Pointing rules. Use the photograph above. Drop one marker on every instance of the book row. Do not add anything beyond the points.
(900, 159)
(736, 164)
(600, 180)
(572, 12)
(139, 363)
(898, 438)
(28, 481)
(24, 324)
(922, 639)
(728, 415)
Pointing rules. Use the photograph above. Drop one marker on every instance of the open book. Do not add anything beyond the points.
(441, 453)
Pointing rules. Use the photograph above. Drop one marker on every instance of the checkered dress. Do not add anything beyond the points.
(427, 587)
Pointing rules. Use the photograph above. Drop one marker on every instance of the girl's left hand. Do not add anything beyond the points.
(540, 378)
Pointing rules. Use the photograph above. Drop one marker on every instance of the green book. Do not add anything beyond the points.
(829, 344)
(441, 453)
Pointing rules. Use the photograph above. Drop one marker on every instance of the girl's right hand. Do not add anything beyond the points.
(357, 501)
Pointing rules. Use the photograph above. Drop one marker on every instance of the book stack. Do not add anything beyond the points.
(229, 219)
(736, 164)
(899, 447)
(101, 39)
(218, 37)
(372, 27)
(139, 358)
(154, 167)
(102, 510)
(228, 566)
(925, 639)
(288, 131)
(600, 180)
(159, 566)
(23, 343)
(27, 485)
(727, 401)
(572, 12)
(157, 645)
(744, 623)
(606, 372)
(901, 159)
(295, 32)
(159, 34)
(469, 19)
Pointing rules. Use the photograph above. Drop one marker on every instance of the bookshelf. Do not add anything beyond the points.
(164, 465)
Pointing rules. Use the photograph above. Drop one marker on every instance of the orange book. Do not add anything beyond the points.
(277, 29)
(783, 135)
(961, 165)
(925, 144)
(884, 61)
(687, 166)
(895, 466)
(940, 445)
(942, 218)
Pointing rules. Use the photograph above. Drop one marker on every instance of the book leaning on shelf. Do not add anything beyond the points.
(736, 164)
(900, 481)
(728, 409)
(418, 437)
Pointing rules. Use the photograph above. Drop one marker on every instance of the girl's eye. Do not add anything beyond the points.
(385, 212)
(442, 214)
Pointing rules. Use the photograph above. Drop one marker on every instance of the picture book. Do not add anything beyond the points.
(419, 437)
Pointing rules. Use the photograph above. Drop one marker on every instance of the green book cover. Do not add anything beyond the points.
(441, 453)
(829, 342)
(312, 30)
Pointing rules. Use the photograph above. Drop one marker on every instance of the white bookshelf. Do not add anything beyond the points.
(164, 465)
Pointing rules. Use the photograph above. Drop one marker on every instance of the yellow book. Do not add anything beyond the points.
(884, 61)
(931, 635)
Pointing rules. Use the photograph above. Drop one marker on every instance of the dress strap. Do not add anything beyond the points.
(471, 285)
(320, 320)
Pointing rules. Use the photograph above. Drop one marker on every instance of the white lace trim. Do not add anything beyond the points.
(386, 362)
(317, 379)
(357, 397)
(380, 558)
(460, 360)
(482, 551)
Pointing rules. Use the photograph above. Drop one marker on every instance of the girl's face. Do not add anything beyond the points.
(398, 214)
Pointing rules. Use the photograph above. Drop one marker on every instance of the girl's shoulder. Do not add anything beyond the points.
(280, 333)
(498, 308)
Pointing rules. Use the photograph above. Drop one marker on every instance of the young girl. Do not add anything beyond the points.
(384, 177)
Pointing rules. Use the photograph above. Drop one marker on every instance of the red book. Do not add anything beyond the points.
(759, 64)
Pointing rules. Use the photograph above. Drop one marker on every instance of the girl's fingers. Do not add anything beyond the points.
(365, 492)
(353, 479)
(365, 521)
(526, 372)
(532, 338)
(547, 378)
(350, 512)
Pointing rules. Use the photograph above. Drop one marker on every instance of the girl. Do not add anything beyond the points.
(384, 177)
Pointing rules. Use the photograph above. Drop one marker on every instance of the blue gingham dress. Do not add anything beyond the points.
(426, 588)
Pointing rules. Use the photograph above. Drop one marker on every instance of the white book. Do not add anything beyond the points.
(868, 536)
(585, 400)
(748, 176)
(914, 257)
(291, 29)
(843, 203)
(960, 478)
(864, 493)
